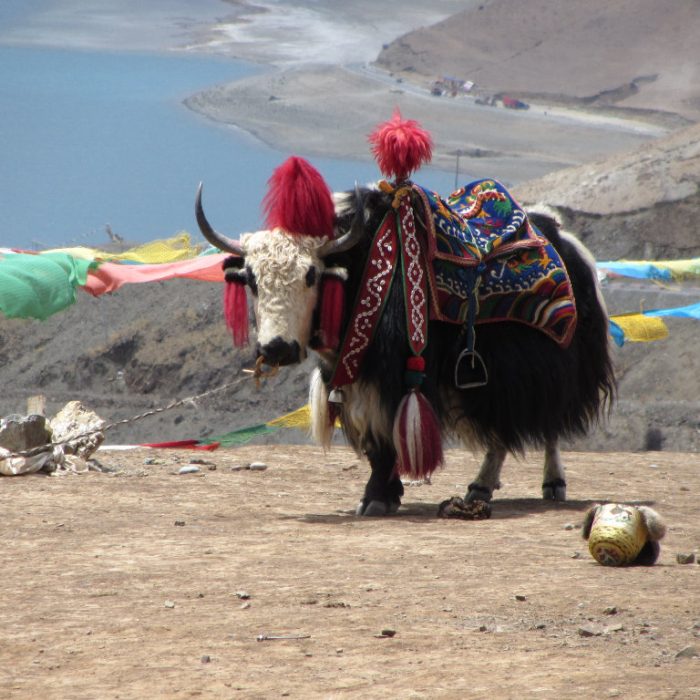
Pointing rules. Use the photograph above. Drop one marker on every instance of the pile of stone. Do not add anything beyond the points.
(62, 444)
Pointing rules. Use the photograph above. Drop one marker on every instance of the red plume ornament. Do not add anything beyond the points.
(400, 146)
(298, 200)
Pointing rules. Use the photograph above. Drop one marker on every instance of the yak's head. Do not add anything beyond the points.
(284, 265)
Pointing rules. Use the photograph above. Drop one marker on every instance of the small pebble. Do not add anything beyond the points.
(189, 469)
(387, 633)
(688, 653)
(612, 610)
(685, 558)
(569, 526)
(243, 595)
(180, 523)
(149, 460)
(206, 659)
(169, 604)
(257, 466)
(519, 597)
(589, 631)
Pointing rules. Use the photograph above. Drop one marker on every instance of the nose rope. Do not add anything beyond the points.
(259, 373)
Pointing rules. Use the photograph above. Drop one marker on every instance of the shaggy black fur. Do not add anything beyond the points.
(537, 391)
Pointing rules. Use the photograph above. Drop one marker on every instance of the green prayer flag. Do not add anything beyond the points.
(38, 286)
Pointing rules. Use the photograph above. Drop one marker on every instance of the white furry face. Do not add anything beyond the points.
(285, 271)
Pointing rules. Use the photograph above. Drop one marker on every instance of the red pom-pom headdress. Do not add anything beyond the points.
(298, 200)
(400, 146)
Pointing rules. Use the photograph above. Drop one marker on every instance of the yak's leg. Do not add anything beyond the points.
(488, 478)
(554, 485)
(384, 488)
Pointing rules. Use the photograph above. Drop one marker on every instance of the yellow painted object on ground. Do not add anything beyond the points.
(617, 535)
(620, 534)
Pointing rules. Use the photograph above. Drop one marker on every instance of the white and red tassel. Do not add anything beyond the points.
(417, 435)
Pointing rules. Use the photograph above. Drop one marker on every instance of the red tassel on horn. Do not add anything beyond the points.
(236, 311)
(400, 146)
(331, 311)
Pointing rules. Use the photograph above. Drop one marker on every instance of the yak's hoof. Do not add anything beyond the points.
(554, 490)
(377, 509)
(476, 492)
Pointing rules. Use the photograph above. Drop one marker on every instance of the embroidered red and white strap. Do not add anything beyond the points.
(369, 305)
(415, 281)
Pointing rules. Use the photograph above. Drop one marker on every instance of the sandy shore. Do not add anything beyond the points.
(330, 109)
(321, 95)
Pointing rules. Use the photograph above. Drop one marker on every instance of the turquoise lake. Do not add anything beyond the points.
(93, 138)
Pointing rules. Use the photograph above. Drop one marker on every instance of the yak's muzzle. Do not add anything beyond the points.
(279, 352)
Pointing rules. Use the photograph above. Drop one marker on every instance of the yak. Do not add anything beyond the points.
(463, 318)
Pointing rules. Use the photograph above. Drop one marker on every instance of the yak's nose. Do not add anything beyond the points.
(279, 352)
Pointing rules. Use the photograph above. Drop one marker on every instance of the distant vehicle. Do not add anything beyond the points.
(512, 103)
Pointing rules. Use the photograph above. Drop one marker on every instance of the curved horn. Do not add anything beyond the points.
(217, 239)
(352, 237)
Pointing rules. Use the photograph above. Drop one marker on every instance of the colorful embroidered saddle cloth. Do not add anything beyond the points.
(480, 239)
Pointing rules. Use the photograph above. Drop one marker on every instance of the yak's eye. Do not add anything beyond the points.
(311, 277)
(250, 279)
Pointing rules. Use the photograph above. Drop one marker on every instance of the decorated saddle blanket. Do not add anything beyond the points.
(482, 248)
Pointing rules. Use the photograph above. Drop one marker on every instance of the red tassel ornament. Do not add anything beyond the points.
(236, 311)
(331, 311)
(417, 435)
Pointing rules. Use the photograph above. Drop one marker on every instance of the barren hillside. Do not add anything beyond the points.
(640, 204)
(633, 54)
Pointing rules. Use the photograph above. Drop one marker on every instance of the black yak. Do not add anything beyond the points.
(466, 318)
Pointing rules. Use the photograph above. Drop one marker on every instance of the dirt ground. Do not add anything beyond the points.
(144, 583)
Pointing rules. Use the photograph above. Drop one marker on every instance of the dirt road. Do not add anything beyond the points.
(145, 583)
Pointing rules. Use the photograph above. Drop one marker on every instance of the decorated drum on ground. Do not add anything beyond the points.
(617, 534)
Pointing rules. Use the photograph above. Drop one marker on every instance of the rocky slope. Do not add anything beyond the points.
(641, 204)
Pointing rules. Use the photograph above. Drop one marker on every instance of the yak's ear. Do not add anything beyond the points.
(232, 262)
(588, 521)
(656, 527)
